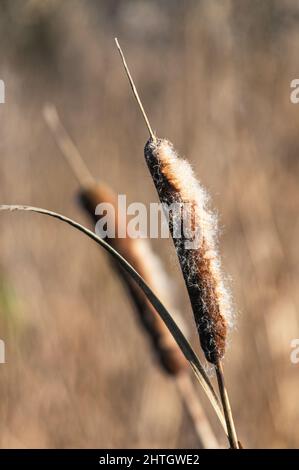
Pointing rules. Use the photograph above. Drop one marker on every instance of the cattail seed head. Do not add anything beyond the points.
(210, 299)
(139, 254)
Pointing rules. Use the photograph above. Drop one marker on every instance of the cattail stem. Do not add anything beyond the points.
(231, 431)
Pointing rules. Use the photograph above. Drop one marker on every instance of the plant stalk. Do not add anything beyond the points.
(231, 430)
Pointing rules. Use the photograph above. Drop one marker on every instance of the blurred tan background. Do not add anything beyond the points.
(215, 78)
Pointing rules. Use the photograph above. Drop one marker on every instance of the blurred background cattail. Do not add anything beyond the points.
(137, 251)
(226, 106)
(139, 254)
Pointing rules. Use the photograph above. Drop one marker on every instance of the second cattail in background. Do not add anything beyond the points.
(141, 256)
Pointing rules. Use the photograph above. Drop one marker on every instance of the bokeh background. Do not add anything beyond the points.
(215, 78)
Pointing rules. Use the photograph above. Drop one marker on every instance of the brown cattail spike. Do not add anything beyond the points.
(175, 183)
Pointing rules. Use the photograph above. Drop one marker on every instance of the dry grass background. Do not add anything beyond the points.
(214, 78)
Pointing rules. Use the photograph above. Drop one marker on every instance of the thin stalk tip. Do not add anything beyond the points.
(134, 90)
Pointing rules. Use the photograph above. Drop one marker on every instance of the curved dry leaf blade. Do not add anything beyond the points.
(183, 343)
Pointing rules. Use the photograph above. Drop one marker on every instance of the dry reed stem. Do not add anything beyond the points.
(66, 145)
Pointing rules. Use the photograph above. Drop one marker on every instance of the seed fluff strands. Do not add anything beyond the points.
(136, 251)
(210, 300)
